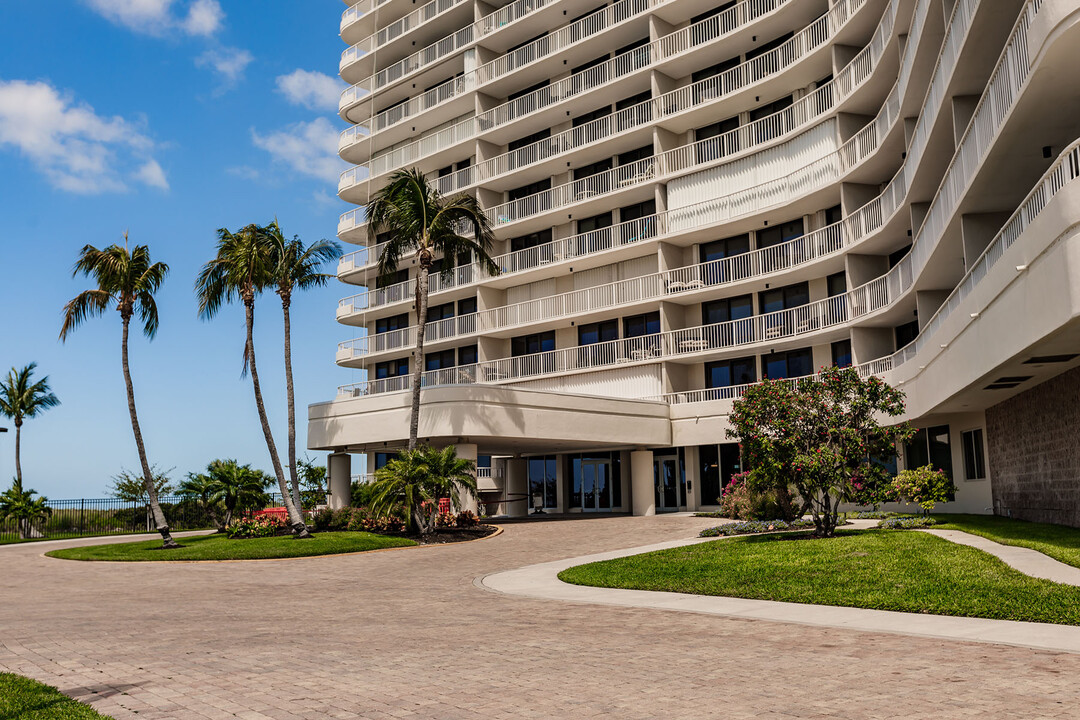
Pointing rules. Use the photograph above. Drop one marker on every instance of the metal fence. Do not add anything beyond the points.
(111, 516)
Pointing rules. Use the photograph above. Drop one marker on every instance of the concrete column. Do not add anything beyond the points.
(467, 451)
(517, 487)
(693, 478)
(339, 475)
(642, 483)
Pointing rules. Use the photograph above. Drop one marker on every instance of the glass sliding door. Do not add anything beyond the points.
(666, 477)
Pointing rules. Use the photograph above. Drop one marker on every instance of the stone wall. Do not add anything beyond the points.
(1034, 452)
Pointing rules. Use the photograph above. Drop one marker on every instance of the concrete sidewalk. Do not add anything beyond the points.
(541, 581)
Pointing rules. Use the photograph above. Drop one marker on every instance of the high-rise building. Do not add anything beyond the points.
(689, 196)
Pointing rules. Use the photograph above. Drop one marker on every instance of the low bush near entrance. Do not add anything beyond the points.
(906, 523)
(750, 527)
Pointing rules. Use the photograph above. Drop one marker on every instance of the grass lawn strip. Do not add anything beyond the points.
(25, 699)
(1058, 541)
(219, 547)
(882, 570)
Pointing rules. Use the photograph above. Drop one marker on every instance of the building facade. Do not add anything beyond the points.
(689, 196)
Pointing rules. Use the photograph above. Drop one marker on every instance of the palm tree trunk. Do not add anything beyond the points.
(148, 476)
(418, 354)
(18, 461)
(292, 405)
(296, 520)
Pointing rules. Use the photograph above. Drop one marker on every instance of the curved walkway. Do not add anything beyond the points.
(541, 581)
(407, 634)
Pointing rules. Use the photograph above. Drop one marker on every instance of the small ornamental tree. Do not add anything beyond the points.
(819, 437)
(925, 487)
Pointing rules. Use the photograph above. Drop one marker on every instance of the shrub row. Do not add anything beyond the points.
(749, 527)
(906, 523)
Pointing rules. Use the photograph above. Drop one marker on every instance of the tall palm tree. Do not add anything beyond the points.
(416, 478)
(296, 267)
(421, 222)
(242, 269)
(20, 399)
(128, 280)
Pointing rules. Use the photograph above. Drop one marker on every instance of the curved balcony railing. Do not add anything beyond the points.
(357, 11)
(814, 105)
(361, 258)
(399, 292)
(766, 65)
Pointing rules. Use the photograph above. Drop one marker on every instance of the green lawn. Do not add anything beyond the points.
(1058, 541)
(219, 547)
(25, 699)
(880, 569)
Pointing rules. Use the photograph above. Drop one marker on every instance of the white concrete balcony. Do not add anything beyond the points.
(815, 105)
(695, 37)
(359, 17)
(405, 339)
(362, 259)
(436, 14)
(350, 307)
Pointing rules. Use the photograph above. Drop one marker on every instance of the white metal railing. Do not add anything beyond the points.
(398, 292)
(766, 65)
(435, 331)
(357, 11)
(361, 258)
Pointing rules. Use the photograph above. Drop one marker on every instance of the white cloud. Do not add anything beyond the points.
(75, 148)
(308, 148)
(157, 17)
(151, 174)
(228, 63)
(314, 90)
(204, 18)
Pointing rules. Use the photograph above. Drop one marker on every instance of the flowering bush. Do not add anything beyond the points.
(356, 519)
(906, 523)
(925, 487)
(255, 527)
(742, 502)
(464, 519)
(750, 527)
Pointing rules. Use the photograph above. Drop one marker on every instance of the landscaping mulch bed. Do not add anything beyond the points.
(444, 536)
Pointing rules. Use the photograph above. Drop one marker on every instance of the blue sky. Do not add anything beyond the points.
(169, 119)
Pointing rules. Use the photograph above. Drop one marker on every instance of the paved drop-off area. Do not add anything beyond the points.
(406, 633)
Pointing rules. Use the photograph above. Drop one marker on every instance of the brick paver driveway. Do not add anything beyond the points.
(406, 634)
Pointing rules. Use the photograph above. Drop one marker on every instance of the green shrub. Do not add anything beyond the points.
(750, 527)
(924, 487)
(906, 523)
(740, 502)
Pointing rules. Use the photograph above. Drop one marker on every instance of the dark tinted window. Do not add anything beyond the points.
(598, 332)
(638, 325)
(735, 308)
(529, 344)
(794, 363)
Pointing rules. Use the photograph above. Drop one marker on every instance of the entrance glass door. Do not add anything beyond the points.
(595, 485)
(666, 476)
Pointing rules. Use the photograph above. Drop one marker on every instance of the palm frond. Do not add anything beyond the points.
(85, 305)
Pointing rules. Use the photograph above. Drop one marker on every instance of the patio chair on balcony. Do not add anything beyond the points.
(693, 345)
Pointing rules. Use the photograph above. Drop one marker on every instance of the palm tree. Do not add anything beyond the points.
(423, 223)
(235, 486)
(416, 478)
(21, 399)
(128, 280)
(296, 268)
(198, 488)
(21, 506)
(242, 269)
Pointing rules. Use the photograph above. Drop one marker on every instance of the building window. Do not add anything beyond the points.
(727, 373)
(594, 169)
(596, 222)
(528, 140)
(394, 279)
(777, 234)
(639, 325)
(540, 237)
(395, 322)
(531, 344)
(719, 249)
(735, 308)
(718, 465)
(974, 459)
(930, 446)
(791, 364)
(771, 45)
(468, 355)
(590, 116)
(439, 360)
(906, 334)
(598, 332)
(632, 156)
(833, 215)
(466, 306)
(784, 298)
(841, 353)
(528, 91)
(392, 368)
(896, 257)
(543, 482)
(381, 458)
(837, 284)
(596, 483)
(440, 312)
(530, 189)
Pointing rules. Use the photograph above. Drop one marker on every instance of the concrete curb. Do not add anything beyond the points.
(541, 582)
